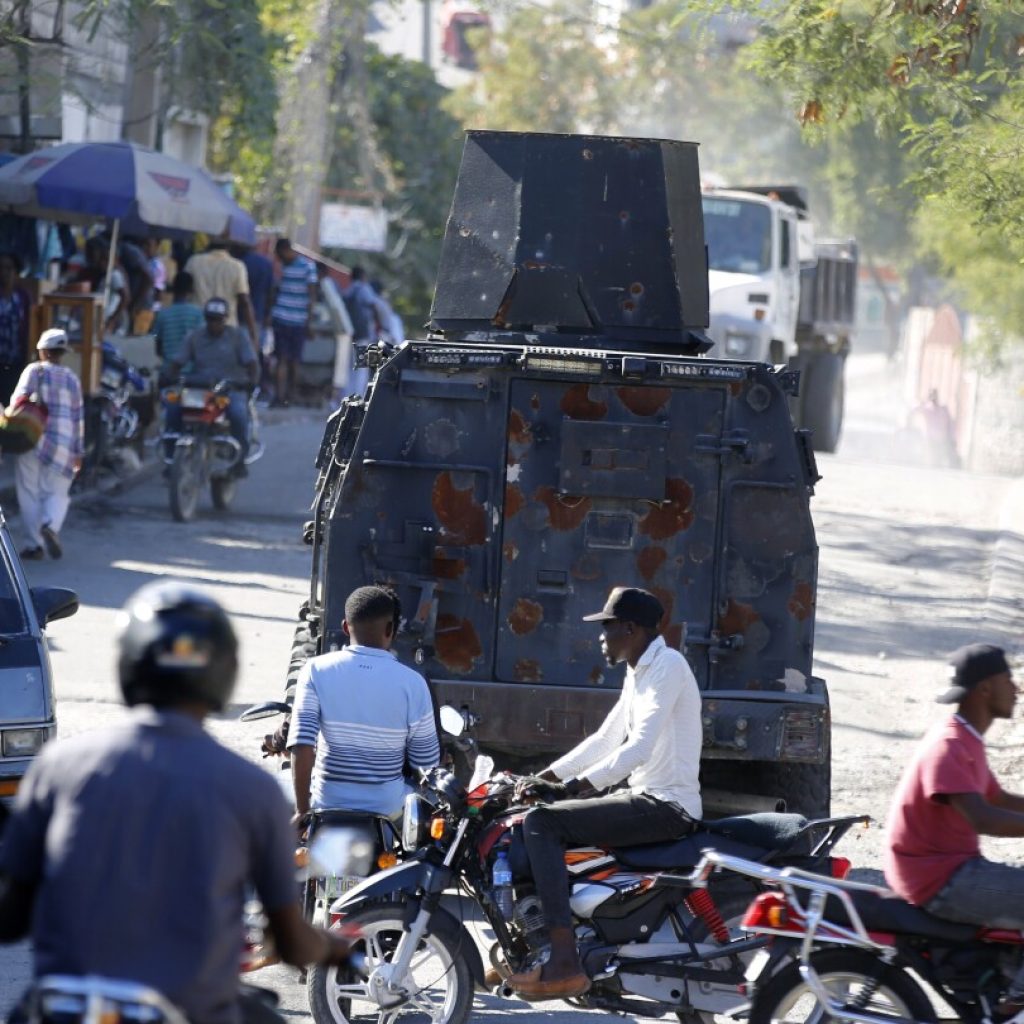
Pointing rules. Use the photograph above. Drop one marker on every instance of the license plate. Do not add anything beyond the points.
(193, 398)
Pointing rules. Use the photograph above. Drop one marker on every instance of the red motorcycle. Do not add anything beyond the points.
(203, 450)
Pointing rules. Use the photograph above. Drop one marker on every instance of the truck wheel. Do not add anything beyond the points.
(822, 400)
(806, 788)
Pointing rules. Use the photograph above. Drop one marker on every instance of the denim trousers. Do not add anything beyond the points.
(622, 819)
(982, 892)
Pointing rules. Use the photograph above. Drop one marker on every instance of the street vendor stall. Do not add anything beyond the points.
(130, 188)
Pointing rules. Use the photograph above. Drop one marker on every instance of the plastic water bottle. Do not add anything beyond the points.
(501, 876)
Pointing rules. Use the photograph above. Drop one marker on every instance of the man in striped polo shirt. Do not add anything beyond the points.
(361, 717)
(291, 314)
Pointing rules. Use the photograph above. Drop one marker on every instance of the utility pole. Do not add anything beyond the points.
(427, 47)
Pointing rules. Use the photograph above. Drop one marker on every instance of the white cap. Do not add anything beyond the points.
(55, 337)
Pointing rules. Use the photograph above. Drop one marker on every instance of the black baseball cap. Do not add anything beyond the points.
(971, 665)
(216, 307)
(630, 604)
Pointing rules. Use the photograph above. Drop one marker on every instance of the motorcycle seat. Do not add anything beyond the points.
(751, 836)
(882, 912)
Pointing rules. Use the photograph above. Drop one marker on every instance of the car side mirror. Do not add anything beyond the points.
(52, 603)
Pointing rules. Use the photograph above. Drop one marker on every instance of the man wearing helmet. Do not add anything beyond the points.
(131, 848)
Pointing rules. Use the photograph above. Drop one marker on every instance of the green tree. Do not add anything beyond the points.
(417, 147)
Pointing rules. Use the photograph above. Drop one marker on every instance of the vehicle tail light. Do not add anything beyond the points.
(769, 910)
(840, 867)
(437, 828)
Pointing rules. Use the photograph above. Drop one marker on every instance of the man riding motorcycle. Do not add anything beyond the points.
(131, 848)
(213, 353)
(361, 717)
(652, 739)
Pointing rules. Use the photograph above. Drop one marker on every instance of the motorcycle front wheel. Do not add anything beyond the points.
(440, 984)
(185, 482)
(852, 978)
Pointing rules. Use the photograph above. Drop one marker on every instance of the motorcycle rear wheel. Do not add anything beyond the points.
(184, 483)
(445, 982)
(855, 978)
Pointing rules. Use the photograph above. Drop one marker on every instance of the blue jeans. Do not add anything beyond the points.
(237, 414)
(982, 892)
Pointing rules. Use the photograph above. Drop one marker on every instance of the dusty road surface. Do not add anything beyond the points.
(906, 574)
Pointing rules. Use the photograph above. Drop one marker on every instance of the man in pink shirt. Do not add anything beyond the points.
(948, 797)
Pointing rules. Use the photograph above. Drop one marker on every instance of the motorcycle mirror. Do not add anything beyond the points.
(265, 710)
(452, 721)
(341, 851)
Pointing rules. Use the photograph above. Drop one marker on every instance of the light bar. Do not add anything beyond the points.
(560, 364)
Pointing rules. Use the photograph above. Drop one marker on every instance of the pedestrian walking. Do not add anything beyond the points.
(291, 315)
(43, 475)
(261, 293)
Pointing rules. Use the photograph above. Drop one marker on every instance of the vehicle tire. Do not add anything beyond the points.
(184, 483)
(732, 906)
(858, 978)
(806, 788)
(823, 397)
(338, 996)
(222, 491)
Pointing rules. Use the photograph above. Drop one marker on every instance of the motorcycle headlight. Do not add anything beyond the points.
(415, 822)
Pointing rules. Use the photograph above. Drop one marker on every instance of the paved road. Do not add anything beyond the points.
(905, 567)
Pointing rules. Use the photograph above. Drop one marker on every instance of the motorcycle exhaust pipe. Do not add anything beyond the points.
(724, 803)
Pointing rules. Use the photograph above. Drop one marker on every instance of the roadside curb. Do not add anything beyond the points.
(1004, 604)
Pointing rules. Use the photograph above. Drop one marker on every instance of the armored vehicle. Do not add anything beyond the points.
(560, 433)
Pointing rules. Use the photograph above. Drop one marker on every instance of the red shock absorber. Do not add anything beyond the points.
(701, 905)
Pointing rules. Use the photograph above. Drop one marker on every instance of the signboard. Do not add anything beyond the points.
(348, 226)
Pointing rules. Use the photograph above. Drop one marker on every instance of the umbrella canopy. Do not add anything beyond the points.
(82, 182)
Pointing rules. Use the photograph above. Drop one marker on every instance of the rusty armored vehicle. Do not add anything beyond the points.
(559, 433)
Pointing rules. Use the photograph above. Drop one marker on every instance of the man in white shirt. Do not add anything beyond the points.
(651, 740)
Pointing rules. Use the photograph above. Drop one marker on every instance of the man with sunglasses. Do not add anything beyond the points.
(651, 740)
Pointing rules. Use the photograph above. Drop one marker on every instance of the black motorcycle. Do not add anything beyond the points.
(650, 942)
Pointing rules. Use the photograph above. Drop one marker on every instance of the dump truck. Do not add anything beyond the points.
(561, 431)
(779, 295)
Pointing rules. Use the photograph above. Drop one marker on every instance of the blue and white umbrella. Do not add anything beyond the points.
(138, 189)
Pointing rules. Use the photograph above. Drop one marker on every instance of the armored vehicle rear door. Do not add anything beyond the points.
(604, 486)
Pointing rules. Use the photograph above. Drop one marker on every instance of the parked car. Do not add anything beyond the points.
(27, 717)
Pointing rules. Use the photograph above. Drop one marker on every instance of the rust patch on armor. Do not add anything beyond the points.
(801, 602)
(535, 402)
(578, 405)
(644, 401)
(462, 518)
(456, 644)
(446, 567)
(510, 551)
(650, 560)
(596, 675)
(672, 515)
(518, 429)
(736, 388)
(737, 617)
(526, 670)
(525, 617)
(587, 567)
(514, 500)
(565, 512)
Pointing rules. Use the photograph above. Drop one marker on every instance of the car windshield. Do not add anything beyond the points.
(738, 235)
(12, 613)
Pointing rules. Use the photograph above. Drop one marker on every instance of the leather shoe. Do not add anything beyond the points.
(531, 986)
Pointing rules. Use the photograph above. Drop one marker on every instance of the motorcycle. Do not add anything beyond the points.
(845, 951)
(650, 942)
(204, 451)
(338, 849)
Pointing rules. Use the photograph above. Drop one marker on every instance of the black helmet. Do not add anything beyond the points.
(176, 645)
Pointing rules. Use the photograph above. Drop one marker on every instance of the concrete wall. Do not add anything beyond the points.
(997, 426)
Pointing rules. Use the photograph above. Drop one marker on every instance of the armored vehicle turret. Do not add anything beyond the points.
(559, 433)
